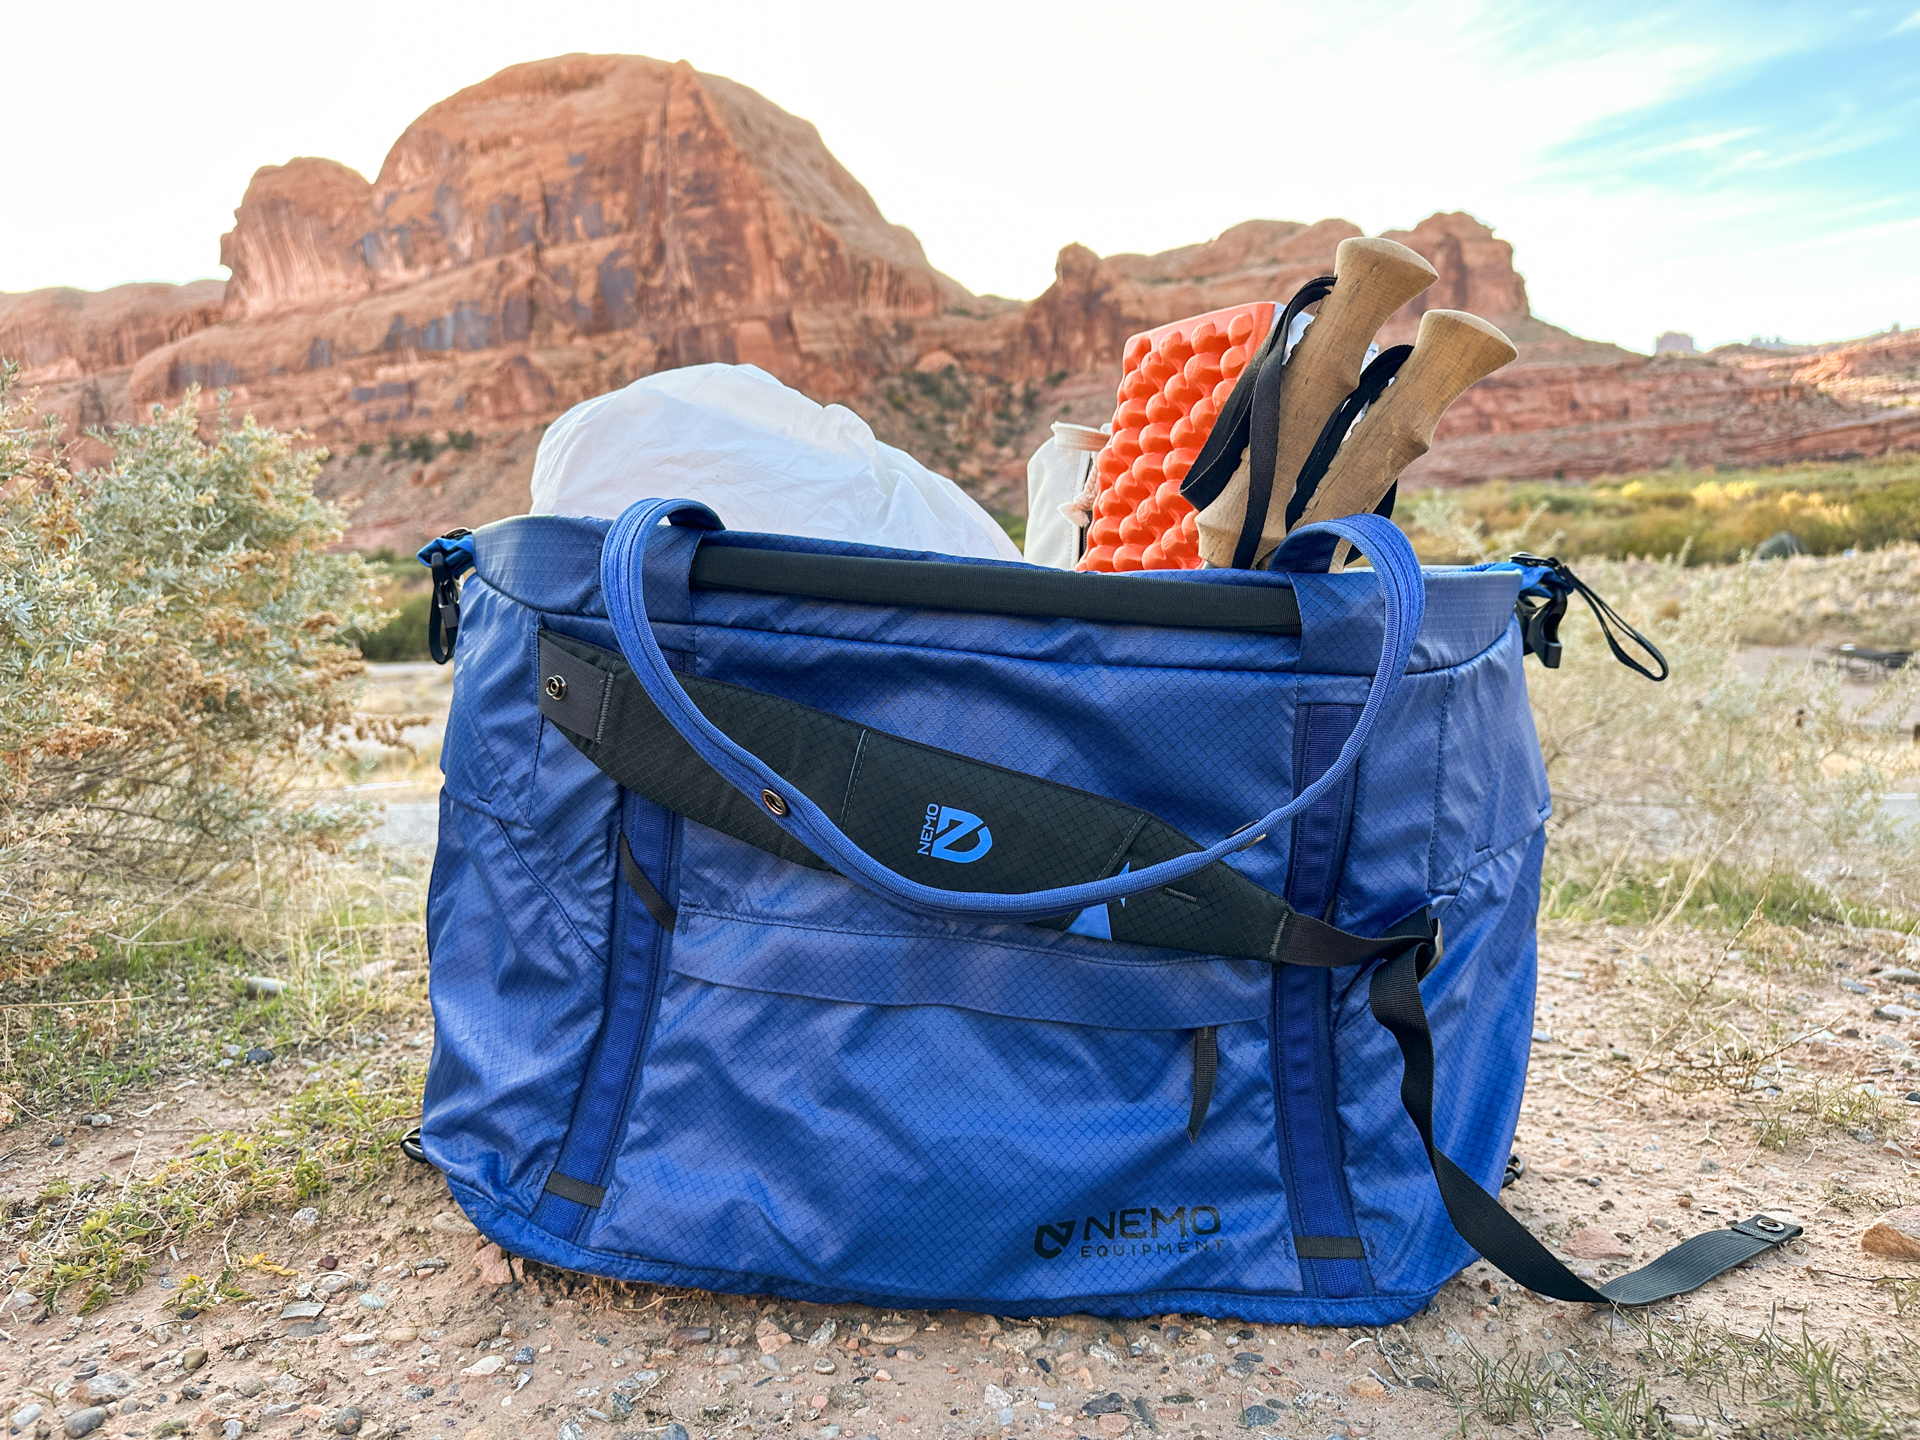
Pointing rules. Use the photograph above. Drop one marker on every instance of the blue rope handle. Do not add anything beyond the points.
(622, 564)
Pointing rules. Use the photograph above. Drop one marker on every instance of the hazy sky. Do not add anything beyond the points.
(1727, 169)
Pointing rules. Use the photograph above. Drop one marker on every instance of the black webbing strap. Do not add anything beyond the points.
(1373, 384)
(1206, 1070)
(1006, 831)
(1483, 1223)
(1249, 425)
(663, 914)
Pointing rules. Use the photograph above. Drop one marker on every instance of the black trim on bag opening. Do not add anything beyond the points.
(1038, 593)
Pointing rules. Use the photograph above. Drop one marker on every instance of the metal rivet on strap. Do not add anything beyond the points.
(773, 802)
(556, 687)
(1771, 1226)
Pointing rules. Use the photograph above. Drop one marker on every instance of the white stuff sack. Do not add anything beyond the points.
(763, 457)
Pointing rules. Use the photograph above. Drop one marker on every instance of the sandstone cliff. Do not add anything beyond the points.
(571, 224)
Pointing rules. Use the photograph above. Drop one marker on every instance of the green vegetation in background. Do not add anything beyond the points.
(406, 594)
(1712, 517)
(1723, 897)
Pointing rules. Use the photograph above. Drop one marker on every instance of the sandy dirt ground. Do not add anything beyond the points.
(386, 1312)
(1669, 1094)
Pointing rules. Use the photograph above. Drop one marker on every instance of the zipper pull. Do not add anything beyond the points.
(1542, 603)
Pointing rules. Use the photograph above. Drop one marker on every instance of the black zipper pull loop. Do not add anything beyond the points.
(1541, 606)
(443, 616)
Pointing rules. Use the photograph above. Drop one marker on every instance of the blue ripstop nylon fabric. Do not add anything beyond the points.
(1303, 1012)
(811, 1090)
(624, 579)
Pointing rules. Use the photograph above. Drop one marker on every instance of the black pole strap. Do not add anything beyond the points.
(1373, 384)
(1249, 422)
(1484, 1223)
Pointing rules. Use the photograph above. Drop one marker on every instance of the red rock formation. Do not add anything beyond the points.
(571, 224)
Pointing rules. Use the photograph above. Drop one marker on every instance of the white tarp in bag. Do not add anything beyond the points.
(763, 456)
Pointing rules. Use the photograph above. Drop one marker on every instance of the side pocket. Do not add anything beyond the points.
(642, 934)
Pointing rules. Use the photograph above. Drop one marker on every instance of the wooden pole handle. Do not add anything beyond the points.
(1372, 279)
(1451, 352)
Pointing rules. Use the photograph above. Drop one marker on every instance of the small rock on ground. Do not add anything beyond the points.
(1895, 1234)
(85, 1422)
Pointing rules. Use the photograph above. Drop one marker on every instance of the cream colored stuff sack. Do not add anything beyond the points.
(1060, 494)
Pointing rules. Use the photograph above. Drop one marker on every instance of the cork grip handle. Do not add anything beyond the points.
(1451, 352)
(1372, 279)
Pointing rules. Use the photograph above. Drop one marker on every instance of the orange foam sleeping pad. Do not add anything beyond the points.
(1174, 382)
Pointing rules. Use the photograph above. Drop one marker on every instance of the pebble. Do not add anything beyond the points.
(400, 1335)
(770, 1362)
(262, 987)
(56, 1141)
(249, 1385)
(1895, 1234)
(524, 1355)
(193, 1360)
(259, 1055)
(20, 1303)
(690, 1335)
(485, 1365)
(345, 1420)
(374, 1302)
(572, 1430)
(26, 1415)
(893, 1334)
(448, 1223)
(327, 1262)
(823, 1337)
(1854, 987)
(232, 1430)
(1367, 1388)
(306, 1218)
(1255, 1416)
(823, 1366)
(996, 1398)
(1895, 1012)
(85, 1422)
(301, 1310)
(676, 1431)
(100, 1122)
(1685, 1424)
(418, 1392)
(332, 1283)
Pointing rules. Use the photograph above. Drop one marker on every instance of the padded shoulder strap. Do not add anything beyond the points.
(993, 829)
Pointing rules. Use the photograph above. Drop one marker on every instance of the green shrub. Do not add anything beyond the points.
(396, 447)
(365, 447)
(420, 448)
(404, 637)
(460, 439)
(170, 646)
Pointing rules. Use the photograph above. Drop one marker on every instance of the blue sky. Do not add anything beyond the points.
(1724, 169)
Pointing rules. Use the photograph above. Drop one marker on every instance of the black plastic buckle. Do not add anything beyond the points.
(443, 619)
(1540, 616)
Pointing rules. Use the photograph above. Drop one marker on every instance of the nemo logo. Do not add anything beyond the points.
(956, 835)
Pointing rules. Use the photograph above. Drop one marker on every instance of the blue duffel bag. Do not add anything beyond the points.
(859, 925)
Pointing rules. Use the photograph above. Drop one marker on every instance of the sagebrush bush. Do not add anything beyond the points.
(1743, 775)
(169, 649)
